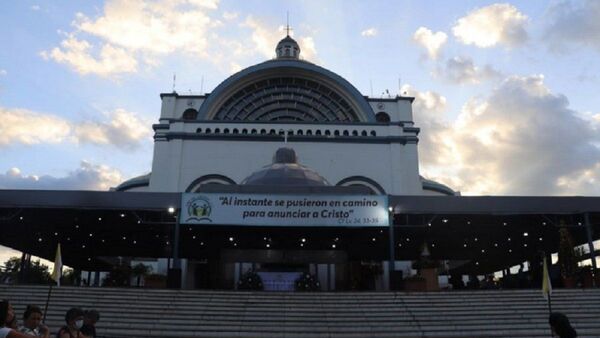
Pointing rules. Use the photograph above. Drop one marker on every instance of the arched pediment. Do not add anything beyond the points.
(285, 90)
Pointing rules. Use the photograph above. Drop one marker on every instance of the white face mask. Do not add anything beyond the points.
(79, 323)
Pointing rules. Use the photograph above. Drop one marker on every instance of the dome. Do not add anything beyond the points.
(287, 48)
(285, 170)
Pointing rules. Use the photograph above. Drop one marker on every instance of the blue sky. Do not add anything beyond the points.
(506, 93)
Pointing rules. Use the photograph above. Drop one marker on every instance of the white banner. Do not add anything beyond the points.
(284, 210)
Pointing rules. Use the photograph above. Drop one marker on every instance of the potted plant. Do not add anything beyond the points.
(428, 269)
(415, 283)
(567, 259)
(250, 281)
(155, 281)
(307, 282)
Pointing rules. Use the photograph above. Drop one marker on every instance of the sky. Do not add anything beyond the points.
(506, 93)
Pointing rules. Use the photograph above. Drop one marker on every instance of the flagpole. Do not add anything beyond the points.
(56, 275)
(47, 302)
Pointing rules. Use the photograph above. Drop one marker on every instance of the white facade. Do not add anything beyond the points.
(222, 137)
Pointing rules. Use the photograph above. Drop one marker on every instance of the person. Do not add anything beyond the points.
(7, 318)
(74, 320)
(560, 326)
(32, 323)
(90, 318)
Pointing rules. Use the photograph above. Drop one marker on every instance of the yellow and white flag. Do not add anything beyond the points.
(546, 285)
(57, 271)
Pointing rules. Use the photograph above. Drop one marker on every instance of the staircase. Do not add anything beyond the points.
(133, 312)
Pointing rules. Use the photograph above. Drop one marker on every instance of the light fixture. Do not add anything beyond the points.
(496, 244)
(400, 244)
(578, 223)
(124, 238)
(509, 239)
(99, 218)
(265, 238)
(390, 209)
(541, 239)
(83, 246)
(337, 239)
(476, 263)
(509, 250)
(40, 239)
(89, 259)
(234, 244)
(445, 220)
(543, 223)
(56, 234)
(303, 240)
(21, 218)
(171, 210)
(268, 245)
(525, 245)
(525, 234)
(465, 245)
(373, 239)
(193, 237)
(139, 222)
(468, 222)
(428, 224)
(504, 223)
(482, 250)
(122, 215)
(433, 245)
(134, 242)
(475, 239)
(407, 239)
(333, 246)
(76, 226)
(102, 241)
(231, 239)
(201, 243)
(302, 244)
(91, 234)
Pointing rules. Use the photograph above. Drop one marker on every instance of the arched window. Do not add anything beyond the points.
(263, 131)
(309, 132)
(355, 133)
(382, 117)
(217, 131)
(362, 181)
(209, 180)
(318, 133)
(199, 130)
(190, 114)
(327, 132)
(346, 133)
(226, 131)
(300, 132)
(373, 133)
(363, 133)
(207, 131)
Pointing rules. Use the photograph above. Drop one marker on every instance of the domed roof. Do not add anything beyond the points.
(288, 48)
(285, 170)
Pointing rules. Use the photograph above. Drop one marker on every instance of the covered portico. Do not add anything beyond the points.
(483, 234)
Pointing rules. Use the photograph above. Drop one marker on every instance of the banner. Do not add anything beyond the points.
(285, 210)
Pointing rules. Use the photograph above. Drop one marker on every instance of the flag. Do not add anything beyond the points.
(546, 285)
(57, 271)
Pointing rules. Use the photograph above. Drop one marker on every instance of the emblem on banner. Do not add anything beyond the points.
(198, 209)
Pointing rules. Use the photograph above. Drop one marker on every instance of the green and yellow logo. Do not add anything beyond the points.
(198, 209)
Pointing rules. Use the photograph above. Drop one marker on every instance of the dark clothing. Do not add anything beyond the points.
(89, 330)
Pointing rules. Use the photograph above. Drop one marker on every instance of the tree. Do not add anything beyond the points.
(140, 270)
(34, 271)
(567, 259)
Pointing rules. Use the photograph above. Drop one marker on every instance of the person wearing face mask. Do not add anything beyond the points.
(32, 323)
(7, 317)
(74, 320)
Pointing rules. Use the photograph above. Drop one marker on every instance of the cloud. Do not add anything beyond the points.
(462, 70)
(3, 72)
(369, 32)
(28, 127)
(128, 36)
(572, 25)
(77, 54)
(492, 25)
(35, 7)
(522, 139)
(121, 129)
(432, 42)
(88, 176)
